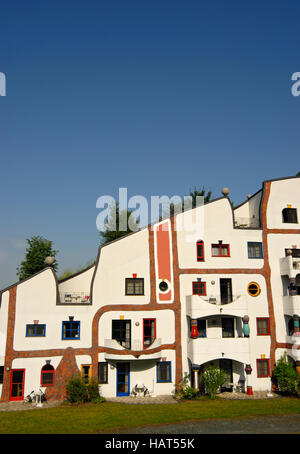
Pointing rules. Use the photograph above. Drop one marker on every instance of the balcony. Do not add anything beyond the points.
(290, 266)
(122, 353)
(200, 306)
(74, 298)
(246, 223)
(291, 304)
(205, 349)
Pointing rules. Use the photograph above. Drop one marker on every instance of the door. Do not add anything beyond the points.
(226, 291)
(17, 384)
(226, 365)
(123, 379)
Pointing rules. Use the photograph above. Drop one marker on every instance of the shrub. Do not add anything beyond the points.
(93, 390)
(286, 377)
(184, 391)
(213, 378)
(76, 390)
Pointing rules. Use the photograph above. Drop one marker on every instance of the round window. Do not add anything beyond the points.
(253, 289)
(163, 286)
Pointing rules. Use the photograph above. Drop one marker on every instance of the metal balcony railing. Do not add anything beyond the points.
(74, 297)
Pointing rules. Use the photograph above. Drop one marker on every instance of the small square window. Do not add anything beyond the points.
(134, 286)
(35, 330)
(263, 368)
(263, 326)
(289, 215)
(199, 288)
(102, 373)
(163, 372)
(255, 250)
(71, 330)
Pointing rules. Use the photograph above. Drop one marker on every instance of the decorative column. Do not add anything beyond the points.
(292, 287)
(246, 328)
(194, 330)
(195, 370)
(248, 370)
(296, 324)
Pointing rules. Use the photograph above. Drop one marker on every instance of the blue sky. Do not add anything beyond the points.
(157, 96)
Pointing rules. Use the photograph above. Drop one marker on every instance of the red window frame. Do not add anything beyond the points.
(51, 371)
(11, 384)
(263, 318)
(215, 245)
(199, 284)
(200, 258)
(148, 320)
(268, 362)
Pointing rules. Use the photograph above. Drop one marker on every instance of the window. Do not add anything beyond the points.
(220, 250)
(86, 373)
(47, 375)
(289, 215)
(134, 286)
(255, 250)
(1, 374)
(35, 330)
(295, 252)
(71, 330)
(263, 326)
(253, 289)
(227, 327)
(121, 332)
(163, 370)
(199, 288)
(149, 329)
(102, 373)
(290, 326)
(226, 290)
(263, 368)
(200, 251)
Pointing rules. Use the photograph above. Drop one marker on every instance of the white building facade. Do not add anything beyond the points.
(156, 305)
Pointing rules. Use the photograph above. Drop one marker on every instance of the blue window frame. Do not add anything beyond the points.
(35, 330)
(255, 250)
(163, 372)
(71, 330)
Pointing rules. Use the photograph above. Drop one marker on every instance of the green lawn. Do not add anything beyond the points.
(108, 416)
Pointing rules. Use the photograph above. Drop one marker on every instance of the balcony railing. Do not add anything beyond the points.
(246, 223)
(134, 344)
(74, 297)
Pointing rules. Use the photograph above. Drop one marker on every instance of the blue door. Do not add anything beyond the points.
(123, 379)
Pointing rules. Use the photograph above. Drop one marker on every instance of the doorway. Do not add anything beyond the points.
(123, 379)
(17, 384)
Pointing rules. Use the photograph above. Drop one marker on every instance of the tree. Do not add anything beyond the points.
(213, 378)
(179, 207)
(286, 377)
(298, 174)
(196, 193)
(112, 230)
(38, 249)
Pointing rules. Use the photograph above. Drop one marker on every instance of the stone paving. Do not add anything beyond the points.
(18, 406)
(167, 399)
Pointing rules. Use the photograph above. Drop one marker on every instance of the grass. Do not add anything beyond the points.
(108, 416)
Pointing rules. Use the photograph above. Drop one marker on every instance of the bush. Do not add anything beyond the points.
(213, 378)
(93, 390)
(184, 391)
(76, 390)
(286, 377)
